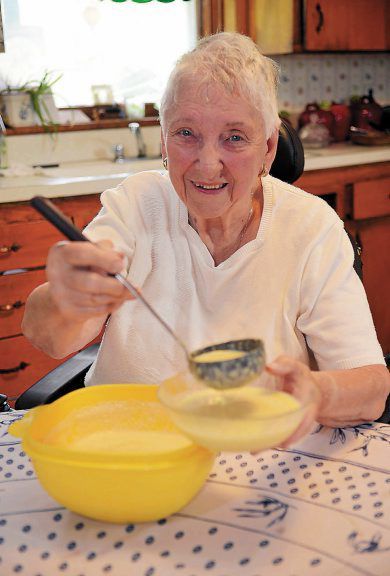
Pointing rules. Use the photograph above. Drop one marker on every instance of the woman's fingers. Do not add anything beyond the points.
(79, 278)
(86, 254)
(297, 379)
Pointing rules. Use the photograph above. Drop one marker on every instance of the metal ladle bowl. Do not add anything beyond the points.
(230, 373)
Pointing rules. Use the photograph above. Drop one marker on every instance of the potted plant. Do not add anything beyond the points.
(31, 104)
(16, 107)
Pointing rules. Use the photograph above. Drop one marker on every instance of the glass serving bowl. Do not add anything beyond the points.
(253, 417)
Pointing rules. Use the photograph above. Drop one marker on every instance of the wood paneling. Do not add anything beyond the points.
(24, 363)
(371, 198)
(26, 238)
(14, 290)
(333, 25)
(361, 198)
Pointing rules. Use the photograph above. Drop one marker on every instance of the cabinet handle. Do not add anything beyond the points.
(21, 366)
(5, 250)
(11, 307)
(320, 23)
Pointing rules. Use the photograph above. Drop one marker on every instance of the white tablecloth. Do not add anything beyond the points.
(319, 509)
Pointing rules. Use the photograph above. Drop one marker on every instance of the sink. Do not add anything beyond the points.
(103, 168)
(73, 179)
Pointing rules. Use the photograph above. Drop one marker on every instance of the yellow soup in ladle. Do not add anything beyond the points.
(219, 355)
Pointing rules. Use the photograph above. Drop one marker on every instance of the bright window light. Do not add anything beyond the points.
(128, 46)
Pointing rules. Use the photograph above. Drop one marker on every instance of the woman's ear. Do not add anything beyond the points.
(272, 145)
(163, 147)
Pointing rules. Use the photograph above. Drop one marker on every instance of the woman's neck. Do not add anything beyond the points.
(224, 236)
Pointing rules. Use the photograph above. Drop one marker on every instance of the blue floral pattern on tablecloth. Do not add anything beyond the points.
(318, 509)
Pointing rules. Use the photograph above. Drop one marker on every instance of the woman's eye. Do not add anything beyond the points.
(185, 132)
(235, 138)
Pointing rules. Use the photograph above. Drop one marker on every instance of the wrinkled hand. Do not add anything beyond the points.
(78, 281)
(297, 379)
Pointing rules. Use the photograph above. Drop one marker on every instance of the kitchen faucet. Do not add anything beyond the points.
(136, 130)
(119, 154)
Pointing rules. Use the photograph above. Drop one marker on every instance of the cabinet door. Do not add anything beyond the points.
(371, 198)
(374, 237)
(333, 25)
(21, 365)
(274, 26)
(26, 244)
(14, 290)
(87, 211)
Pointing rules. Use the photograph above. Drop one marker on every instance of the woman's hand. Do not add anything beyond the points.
(297, 379)
(78, 282)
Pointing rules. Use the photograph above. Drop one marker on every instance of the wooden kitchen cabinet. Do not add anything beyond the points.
(25, 238)
(286, 26)
(335, 25)
(361, 197)
(274, 26)
(374, 237)
(21, 365)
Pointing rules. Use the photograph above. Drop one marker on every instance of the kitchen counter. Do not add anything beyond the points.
(344, 154)
(72, 179)
(79, 178)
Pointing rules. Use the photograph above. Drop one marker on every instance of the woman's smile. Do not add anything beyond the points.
(214, 188)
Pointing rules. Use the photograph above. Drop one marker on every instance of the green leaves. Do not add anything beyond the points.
(37, 89)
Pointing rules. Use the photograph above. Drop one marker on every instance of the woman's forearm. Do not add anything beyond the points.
(53, 333)
(352, 396)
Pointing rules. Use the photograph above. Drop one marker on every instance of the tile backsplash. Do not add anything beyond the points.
(316, 77)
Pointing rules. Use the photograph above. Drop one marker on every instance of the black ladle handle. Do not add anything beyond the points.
(58, 218)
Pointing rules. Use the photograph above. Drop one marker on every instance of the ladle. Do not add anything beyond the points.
(220, 374)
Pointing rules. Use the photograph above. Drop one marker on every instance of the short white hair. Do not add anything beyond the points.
(233, 61)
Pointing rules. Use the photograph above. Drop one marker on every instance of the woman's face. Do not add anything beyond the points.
(216, 149)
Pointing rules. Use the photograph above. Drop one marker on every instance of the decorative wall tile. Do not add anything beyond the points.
(317, 77)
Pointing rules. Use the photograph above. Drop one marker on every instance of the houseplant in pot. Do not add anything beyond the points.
(31, 104)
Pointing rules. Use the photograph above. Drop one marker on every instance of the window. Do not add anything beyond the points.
(129, 46)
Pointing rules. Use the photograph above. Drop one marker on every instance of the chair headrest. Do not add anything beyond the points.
(289, 160)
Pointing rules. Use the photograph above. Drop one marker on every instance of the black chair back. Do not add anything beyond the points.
(289, 161)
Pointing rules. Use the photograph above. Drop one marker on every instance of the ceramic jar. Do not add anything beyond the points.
(313, 114)
(17, 110)
(366, 113)
(342, 121)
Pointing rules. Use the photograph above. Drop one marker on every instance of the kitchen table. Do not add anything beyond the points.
(320, 508)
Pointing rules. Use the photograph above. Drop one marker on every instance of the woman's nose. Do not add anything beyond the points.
(209, 158)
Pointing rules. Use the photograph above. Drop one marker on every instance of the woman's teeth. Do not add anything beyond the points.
(211, 187)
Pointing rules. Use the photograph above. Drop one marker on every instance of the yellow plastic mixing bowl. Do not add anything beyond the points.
(112, 453)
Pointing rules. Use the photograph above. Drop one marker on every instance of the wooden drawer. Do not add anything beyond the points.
(26, 244)
(14, 290)
(25, 236)
(371, 198)
(87, 212)
(25, 364)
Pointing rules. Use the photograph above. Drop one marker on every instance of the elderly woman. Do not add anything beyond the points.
(221, 249)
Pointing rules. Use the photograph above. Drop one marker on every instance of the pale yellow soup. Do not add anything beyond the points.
(246, 418)
(118, 428)
(123, 441)
(219, 355)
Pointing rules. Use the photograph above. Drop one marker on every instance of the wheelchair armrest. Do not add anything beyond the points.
(65, 378)
(386, 413)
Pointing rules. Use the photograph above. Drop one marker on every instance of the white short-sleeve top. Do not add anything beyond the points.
(293, 286)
